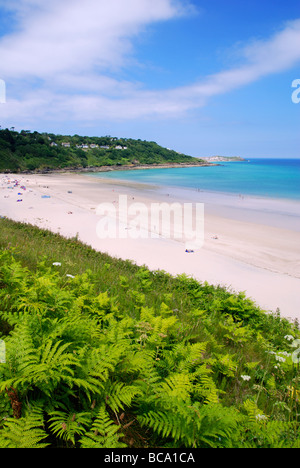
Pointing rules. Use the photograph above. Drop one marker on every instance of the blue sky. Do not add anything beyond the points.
(203, 77)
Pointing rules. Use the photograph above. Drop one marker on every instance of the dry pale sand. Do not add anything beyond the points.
(250, 245)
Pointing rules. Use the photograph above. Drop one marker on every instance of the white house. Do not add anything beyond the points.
(118, 147)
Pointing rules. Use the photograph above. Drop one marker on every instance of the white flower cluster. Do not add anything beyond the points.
(59, 264)
(245, 377)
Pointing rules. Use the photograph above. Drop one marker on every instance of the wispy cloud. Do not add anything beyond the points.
(259, 59)
(63, 58)
(72, 36)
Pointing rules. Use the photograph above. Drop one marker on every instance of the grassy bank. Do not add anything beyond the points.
(102, 353)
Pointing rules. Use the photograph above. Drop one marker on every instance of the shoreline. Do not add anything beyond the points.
(116, 167)
(287, 206)
(249, 255)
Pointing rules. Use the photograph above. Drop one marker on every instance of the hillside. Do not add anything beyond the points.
(101, 353)
(26, 151)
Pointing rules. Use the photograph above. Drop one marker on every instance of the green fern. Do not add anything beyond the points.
(26, 432)
(235, 332)
(205, 388)
(226, 365)
(68, 425)
(87, 356)
(194, 425)
(254, 413)
(44, 368)
(176, 387)
(104, 433)
(119, 395)
(266, 433)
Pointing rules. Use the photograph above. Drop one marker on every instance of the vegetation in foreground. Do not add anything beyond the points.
(102, 353)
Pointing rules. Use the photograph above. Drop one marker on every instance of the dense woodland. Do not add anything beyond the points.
(30, 151)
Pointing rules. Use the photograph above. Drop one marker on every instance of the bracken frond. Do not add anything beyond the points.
(26, 432)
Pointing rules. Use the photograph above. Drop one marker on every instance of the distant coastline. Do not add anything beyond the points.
(116, 167)
(224, 159)
(34, 152)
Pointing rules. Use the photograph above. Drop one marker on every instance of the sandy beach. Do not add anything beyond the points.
(250, 245)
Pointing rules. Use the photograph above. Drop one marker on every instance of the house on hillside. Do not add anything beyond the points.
(66, 144)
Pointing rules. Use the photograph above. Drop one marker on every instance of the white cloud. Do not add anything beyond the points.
(72, 36)
(262, 58)
(70, 49)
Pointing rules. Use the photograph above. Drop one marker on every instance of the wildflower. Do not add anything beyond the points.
(261, 417)
(56, 264)
(280, 358)
(245, 377)
(70, 276)
(295, 343)
(289, 337)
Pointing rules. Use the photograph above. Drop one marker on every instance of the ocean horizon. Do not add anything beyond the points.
(267, 178)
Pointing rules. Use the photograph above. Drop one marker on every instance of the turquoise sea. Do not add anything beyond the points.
(268, 178)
